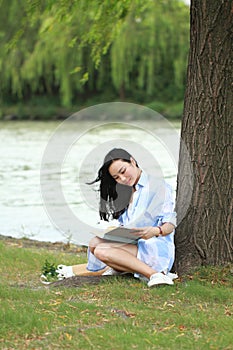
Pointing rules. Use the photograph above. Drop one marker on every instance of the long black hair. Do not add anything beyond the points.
(114, 197)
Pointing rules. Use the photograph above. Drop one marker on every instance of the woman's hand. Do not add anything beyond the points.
(153, 231)
(145, 232)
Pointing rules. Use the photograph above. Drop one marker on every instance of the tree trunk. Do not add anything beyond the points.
(204, 236)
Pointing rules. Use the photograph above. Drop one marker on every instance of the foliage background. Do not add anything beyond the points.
(77, 53)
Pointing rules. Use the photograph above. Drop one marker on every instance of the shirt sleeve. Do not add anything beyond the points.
(161, 206)
(168, 214)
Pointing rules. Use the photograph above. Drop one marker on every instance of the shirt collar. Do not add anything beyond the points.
(142, 180)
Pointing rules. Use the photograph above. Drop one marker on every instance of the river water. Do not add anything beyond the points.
(24, 146)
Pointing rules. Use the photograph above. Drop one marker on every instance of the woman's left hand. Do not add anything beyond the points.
(144, 232)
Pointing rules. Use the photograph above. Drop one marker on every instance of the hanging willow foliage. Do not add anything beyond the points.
(151, 49)
(75, 48)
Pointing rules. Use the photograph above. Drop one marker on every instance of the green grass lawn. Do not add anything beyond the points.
(118, 313)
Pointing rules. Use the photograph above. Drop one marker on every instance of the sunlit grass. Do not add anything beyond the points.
(118, 313)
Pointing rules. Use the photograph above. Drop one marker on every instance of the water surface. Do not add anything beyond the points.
(22, 147)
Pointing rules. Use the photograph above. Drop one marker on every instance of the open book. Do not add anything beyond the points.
(119, 234)
(122, 234)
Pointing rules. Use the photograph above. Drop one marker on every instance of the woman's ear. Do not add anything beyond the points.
(133, 161)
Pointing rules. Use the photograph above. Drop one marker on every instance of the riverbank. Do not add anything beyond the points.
(50, 246)
(50, 111)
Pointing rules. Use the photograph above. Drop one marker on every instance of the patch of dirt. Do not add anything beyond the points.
(78, 281)
(31, 243)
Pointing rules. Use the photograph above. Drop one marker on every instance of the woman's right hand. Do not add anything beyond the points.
(145, 232)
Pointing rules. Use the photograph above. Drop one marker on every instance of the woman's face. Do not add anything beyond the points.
(125, 173)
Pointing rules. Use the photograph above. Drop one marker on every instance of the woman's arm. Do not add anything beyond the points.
(165, 229)
(154, 231)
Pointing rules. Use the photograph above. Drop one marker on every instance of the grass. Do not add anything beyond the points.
(118, 313)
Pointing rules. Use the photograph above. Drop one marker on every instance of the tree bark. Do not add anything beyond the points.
(204, 236)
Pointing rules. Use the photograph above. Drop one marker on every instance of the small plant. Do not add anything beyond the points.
(49, 273)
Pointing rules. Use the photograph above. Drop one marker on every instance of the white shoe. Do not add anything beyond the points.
(172, 276)
(111, 272)
(64, 271)
(159, 278)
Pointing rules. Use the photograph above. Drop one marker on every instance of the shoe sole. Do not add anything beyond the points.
(171, 283)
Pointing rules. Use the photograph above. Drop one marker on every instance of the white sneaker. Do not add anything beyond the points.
(172, 276)
(64, 271)
(159, 278)
(111, 272)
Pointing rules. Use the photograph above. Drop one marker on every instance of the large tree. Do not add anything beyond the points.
(205, 233)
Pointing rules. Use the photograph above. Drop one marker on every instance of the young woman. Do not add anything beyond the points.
(137, 201)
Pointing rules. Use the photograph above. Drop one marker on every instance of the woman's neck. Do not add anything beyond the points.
(138, 177)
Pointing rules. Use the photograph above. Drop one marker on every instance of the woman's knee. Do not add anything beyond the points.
(102, 252)
(94, 242)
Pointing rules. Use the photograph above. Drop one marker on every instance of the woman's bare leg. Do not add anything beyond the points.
(119, 256)
(94, 242)
(81, 269)
(122, 257)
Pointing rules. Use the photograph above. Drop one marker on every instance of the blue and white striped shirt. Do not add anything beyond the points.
(152, 205)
